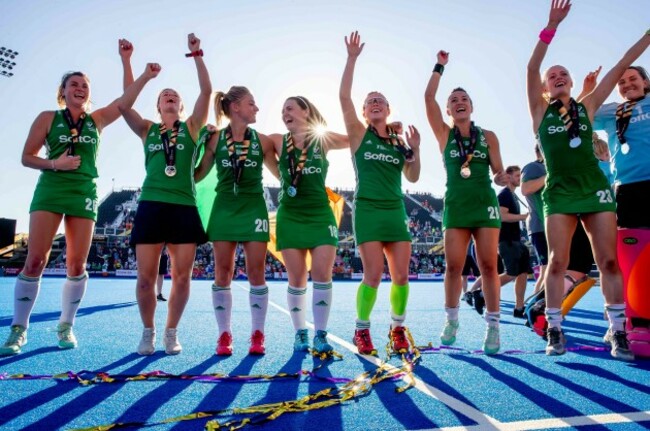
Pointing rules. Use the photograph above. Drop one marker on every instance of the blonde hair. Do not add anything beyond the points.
(181, 111)
(314, 118)
(60, 99)
(222, 101)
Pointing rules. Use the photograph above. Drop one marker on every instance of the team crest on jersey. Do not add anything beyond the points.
(91, 128)
(255, 146)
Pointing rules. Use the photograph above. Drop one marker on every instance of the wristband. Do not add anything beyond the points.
(198, 53)
(438, 68)
(546, 35)
(53, 165)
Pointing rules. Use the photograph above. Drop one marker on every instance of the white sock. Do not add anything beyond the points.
(73, 292)
(258, 298)
(25, 294)
(297, 302)
(397, 320)
(452, 312)
(616, 316)
(554, 317)
(222, 303)
(492, 318)
(321, 304)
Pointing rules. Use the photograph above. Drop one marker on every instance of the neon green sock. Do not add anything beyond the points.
(399, 295)
(366, 297)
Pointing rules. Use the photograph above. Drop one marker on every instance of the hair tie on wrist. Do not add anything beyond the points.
(198, 53)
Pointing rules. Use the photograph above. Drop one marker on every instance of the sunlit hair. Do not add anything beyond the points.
(60, 99)
(512, 169)
(644, 76)
(314, 118)
(181, 110)
(546, 93)
(471, 102)
(222, 101)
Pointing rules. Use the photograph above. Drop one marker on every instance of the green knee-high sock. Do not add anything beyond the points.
(399, 295)
(366, 297)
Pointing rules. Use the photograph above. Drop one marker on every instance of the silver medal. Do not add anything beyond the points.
(170, 171)
(465, 172)
(575, 142)
(625, 148)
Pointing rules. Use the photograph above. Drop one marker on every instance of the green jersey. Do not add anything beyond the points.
(469, 202)
(158, 187)
(59, 138)
(250, 182)
(378, 167)
(311, 187)
(574, 184)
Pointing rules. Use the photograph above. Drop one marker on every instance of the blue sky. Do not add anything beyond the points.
(280, 48)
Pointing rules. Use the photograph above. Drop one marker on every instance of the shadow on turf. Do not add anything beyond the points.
(541, 395)
(84, 311)
(74, 408)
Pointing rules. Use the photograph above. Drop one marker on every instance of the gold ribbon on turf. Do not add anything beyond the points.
(336, 201)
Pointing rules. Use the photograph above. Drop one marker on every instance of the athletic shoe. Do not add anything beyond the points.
(224, 344)
(448, 336)
(257, 344)
(301, 341)
(67, 340)
(172, 346)
(320, 342)
(160, 297)
(398, 340)
(519, 312)
(467, 297)
(556, 342)
(363, 341)
(620, 347)
(492, 344)
(479, 301)
(17, 339)
(147, 342)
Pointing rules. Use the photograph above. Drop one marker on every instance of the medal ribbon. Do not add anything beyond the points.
(395, 140)
(169, 143)
(75, 129)
(623, 117)
(239, 155)
(466, 153)
(569, 117)
(295, 169)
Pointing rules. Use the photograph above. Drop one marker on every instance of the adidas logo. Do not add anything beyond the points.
(550, 115)
(296, 309)
(152, 134)
(322, 304)
(219, 308)
(369, 142)
(59, 125)
(24, 299)
(256, 306)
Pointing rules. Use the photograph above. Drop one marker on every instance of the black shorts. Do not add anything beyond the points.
(541, 246)
(516, 257)
(471, 267)
(581, 259)
(161, 222)
(162, 266)
(629, 197)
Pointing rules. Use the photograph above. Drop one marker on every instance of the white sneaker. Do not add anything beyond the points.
(172, 346)
(147, 342)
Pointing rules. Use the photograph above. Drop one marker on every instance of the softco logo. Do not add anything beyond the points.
(160, 147)
(83, 139)
(312, 170)
(247, 164)
(381, 157)
(454, 154)
(559, 129)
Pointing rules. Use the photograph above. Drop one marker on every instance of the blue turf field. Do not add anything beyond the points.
(462, 389)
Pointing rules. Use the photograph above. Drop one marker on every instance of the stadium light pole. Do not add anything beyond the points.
(6, 57)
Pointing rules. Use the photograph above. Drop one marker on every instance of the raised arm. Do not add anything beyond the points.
(434, 113)
(412, 168)
(589, 83)
(353, 126)
(207, 160)
(200, 113)
(596, 98)
(133, 119)
(105, 116)
(536, 103)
